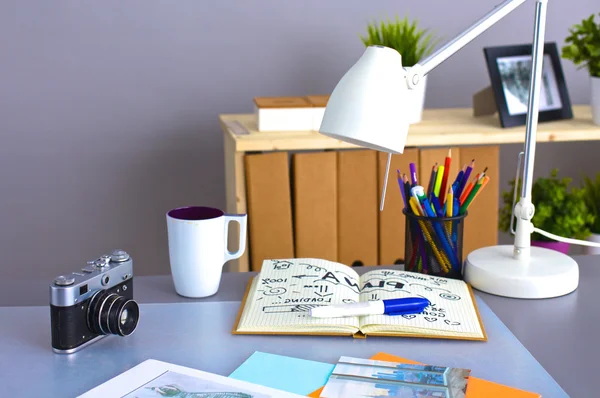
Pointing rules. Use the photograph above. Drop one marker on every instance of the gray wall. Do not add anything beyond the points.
(108, 109)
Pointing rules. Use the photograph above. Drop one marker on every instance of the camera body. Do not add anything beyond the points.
(93, 302)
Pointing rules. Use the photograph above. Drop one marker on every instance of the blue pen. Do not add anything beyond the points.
(459, 177)
(441, 235)
(437, 206)
(455, 187)
(455, 209)
(400, 306)
(458, 183)
(419, 193)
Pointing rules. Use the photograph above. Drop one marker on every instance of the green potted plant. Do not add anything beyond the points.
(583, 48)
(413, 43)
(558, 210)
(592, 198)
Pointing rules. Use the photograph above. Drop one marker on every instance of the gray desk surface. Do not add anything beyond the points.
(198, 335)
(560, 333)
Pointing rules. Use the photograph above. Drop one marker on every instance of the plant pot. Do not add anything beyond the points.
(596, 100)
(592, 250)
(558, 246)
(416, 103)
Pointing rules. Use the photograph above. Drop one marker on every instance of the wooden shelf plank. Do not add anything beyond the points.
(440, 127)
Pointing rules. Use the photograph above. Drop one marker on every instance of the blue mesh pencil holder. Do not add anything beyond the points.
(434, 245)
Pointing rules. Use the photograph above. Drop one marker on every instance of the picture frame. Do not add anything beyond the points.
(509, 69)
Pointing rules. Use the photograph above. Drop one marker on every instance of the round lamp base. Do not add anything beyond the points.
(547, 273)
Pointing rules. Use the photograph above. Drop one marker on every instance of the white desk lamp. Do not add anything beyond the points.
(365, 109)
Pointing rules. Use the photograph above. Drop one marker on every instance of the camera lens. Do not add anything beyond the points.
(124, 320)
(109, 313)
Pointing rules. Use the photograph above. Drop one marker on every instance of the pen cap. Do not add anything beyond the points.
(407, 305)
(418, 191)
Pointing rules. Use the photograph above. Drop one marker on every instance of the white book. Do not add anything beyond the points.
(153, 378)
(319, 103)
(283, 114)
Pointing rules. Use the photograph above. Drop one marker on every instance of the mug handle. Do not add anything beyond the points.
(241, 219)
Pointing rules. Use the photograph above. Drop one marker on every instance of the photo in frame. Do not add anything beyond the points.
(509, 68)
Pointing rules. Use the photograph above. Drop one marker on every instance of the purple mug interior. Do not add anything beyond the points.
(195, 213)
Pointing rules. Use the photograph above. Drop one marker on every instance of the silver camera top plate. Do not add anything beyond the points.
(100, 274)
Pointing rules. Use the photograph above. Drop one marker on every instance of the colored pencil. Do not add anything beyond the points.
(439, 231)
(438, 181)
(406, 187)
(449, 202)
(432, 178)
(417, 210)
(486, 179)
(431, 202)
(445, 178)
(465, 193)
(415, 206)
(450, 224)
(423, 255)
(469, 200)
(442, 260)
(465, 179)
(401, 186)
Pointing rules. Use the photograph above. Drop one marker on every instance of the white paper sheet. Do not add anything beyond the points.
(153, 378)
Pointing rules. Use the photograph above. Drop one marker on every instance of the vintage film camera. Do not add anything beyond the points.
(93, 302)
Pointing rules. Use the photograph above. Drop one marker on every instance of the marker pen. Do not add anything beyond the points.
(408, 305)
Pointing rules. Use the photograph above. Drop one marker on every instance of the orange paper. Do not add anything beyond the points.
(476, 388)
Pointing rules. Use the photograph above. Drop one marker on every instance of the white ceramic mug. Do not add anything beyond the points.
(198, 248)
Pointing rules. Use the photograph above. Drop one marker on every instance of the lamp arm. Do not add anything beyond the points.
(422, 68)
(524, 209)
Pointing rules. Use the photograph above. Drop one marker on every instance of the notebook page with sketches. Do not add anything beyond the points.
(284, 291)
(451, 313)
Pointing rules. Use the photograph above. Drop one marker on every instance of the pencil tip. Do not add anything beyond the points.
(449, 152)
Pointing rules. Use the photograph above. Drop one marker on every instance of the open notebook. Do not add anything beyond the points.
(279, 298)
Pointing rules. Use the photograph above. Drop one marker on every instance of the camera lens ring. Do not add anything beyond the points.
(95, 309)
(111, 313)
(104, 314)
(124, 325)
(92, 325)
(100, 313)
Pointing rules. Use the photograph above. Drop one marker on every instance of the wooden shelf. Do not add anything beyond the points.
(440, 127)
(452, 127)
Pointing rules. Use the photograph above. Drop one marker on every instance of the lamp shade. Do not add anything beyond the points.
(366, 107)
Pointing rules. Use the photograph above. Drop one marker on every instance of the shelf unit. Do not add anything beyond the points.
(452, 127)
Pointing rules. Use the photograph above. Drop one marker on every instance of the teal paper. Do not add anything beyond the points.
(293, 375)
